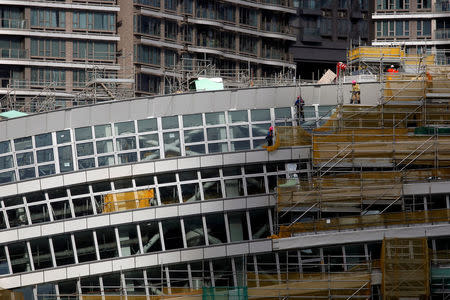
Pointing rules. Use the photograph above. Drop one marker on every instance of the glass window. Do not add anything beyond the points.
(188, 175)
(172, 234)
(86, 163)
(127, 158)
(129, 244)
(6, 162)
(20, 261)
(217, 147)
(46, 170)
(65, 159)
(85, 149)
(237, 116)
(23, 143)
(240, 131)
(166, 178)
(231, 171)
(82, 206)
(144, 180)
(237, 222)
(7, 177)
(61, 210)
(40, 250)
(169, 194)
(63, 136)
(215, 225)
(257, 144)
(127, 143)
(194, 136)
(39, 213)
(124, 128)
(106, 239)
(147, 125)
(169, 122)
(101, 186)
(260, 114)
(215, 118)
(240, 145)
(253, 169)
(84, 133)
(209, 173)
(260, 129)
(149, 155)
(195, 149)
(17, 217)
(43, 140)
(24, 159)
(5, 147)
(102, 131)
(326, 110)
(150, 236)
(44, 155)
(283, 113)
(104, 146)
(195, 235)
(216, 133)
(234, 188)
(255, 185)
(4, 269)
(171, 144)
(259, 221)
(27, 173)
(190, 192)
(148, 140)
(12, 201)
(105, 161)
(84, 242)
(192, 120)
(212, 190)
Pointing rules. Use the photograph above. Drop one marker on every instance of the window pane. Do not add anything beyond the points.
(105, 161)
(195, 149)
(43, 140)
(171, 144)
(4, 269)
(169, 194)
(6, 162)
(106, 239)
(84, 133)
(102, 131)
(240, 131)
(192, 120)
(240, 145)
(149, 155)
(127, 143)
(259, 221)
(216, 133)
(147, 125)
(215, 225)
(82, 206)
(217, 147)
(127, 158)
(215, 118)
(169, 122)
(27, 173)
(24, 159)
(105, 146)
(46, 170)
(194, 136)
(7, 177)
(124, 128)
(260, 129)
(260, 115)
(283, 113)
(85, 149)
(172, 234)
(190, 192)
(39, 214)
(212, 190)
(5, 147)
(234, 188)
(86, 163)
(193, 227)
(62, 245)
(237, 116)
(20, 261)
(61, 210)
(255, 185)
(23, 143)
(238, 226)
(63, 136)
(151, 239)
(40, 250)
(65, 158)
(128, 238)
(149, 140)
(84, 242)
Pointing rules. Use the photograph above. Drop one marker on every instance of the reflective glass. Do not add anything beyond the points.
(105, 160)
(255, 185)
(44, 155)
(85, 149)
(39, 213)
(212, 190)
(259, 221)
(325, 110)
(240, 131)
(27, 173)
(237, 116)
(127, 143)
(149, 155)
(234, 188)
(129, 244)
(20, 260)
(192, 120)
(190, 192)
(102, 131)
(40, 250)
(260, 129)
(23, 143)
(257, 144)
(107, 246)
(5, 147)
(194, 136)
(169, 122)
(260, 114)
(195, 150)
(283, 113)
(215, 225)
(6, 162)
(7, 177)
(43, 140)
(148, 140)
(104, 146)
(240, 145)
(84, 133)
(151, 240)
(216, 133)
(237, 222)
(217, 147)
(124, 128)
(171, 144)
(63, 136)
(195, 235)
(310, 111)
(86, 163)
(24, 159)
(84, 242)
(147, 125)
(168, 194)
(62, 246)
(215, 118)
(65, 159)
(172, 234)
(127, 158)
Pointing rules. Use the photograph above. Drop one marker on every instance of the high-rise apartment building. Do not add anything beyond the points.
(419, 25)
(54, 51)
(326, 29)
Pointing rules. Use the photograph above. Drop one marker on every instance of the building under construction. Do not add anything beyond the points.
(179, 196)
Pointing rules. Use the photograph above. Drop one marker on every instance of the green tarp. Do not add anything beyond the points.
(208, 84)
(12, 114)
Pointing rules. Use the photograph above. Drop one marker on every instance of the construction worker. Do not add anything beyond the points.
(356, 93)
(299, 104)
(392, 69)
(269, 137)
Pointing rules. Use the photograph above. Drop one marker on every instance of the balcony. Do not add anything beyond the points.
(310, 7)
(442, 34)
(311, 35)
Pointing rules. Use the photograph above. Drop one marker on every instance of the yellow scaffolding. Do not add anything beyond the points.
(127, 200)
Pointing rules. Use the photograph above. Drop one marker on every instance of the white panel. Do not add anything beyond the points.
(55, 274)
(74, 178)
(29, 232)
(33, 278)
(73, 225)
(216, 251)
(123, 264)
(144, 168)
(234, 158)
(212, 206)
(100, 267)
(97, 174)
(121, 171)
(52, 228)
(98, 221)
(440, 187)
(143, 214)
(211, 161)
(8, 190)
(437, 230)
(169, 257)
(280, 154)
(257, 201)
(52, 182)
(10, 282)
(409, 232)
(78, 271)
(191, 254)
(8, 235)
(166, 212)
(166, 165)
(189, 209)
(261, 246)
(120, 218)
(237, 249)
(256, 156)
(301, 153)
(146, 260)
(189, 163)
(272, 200)
(28, 186)
(231, 204)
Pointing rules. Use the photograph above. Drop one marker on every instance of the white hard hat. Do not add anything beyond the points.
(392, 66)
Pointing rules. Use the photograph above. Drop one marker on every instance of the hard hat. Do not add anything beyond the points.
(392, 66)
(271, 128)
(353, 82)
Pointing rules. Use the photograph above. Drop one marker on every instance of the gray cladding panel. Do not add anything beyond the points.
(82, 117)
(139, 109)
(100, 113)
